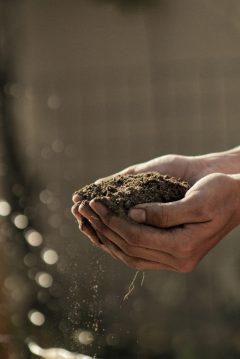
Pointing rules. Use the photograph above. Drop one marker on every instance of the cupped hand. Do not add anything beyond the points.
(172, 236)
(184, 167)
(84, 214)
(188, 168)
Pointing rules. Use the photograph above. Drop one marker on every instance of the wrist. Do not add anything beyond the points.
(227, 162)
(236, 178)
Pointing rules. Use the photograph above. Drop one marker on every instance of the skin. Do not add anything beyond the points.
(177, 235)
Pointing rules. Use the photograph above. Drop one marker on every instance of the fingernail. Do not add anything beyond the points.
(138, 215)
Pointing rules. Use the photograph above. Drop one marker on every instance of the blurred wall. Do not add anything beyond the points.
(97, 88)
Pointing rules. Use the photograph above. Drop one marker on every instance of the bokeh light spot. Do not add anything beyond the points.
(5, 208)
(36, 318)
(20, 221)
(46, 196)
(50, 256)
(34, 238)
(44, 279)
(85, 337)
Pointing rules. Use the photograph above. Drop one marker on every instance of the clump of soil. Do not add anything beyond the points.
(121, 192)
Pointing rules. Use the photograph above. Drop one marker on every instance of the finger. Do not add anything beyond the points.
(143, 253)
(95, 238)
(82, 221)
(75, 211)
(86, 211)
(133, 251)
(105, 247)
(137, 263)
(164, 215)
(76, 197)
(133, 233)
(104, 232)
(87, 229)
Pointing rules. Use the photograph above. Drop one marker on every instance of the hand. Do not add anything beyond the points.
(172, 236)
(185, 167)
(188, 168)
(85, 226)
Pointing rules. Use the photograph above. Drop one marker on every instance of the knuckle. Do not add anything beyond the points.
(163, 216)
(158, 215)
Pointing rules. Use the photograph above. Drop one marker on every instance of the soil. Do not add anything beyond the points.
(121, 192)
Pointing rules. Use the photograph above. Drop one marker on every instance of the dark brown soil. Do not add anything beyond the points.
(122, 192)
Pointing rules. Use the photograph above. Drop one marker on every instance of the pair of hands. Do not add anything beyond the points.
(171, 236)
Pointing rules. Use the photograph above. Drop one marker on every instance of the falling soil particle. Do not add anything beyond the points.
(121, 192)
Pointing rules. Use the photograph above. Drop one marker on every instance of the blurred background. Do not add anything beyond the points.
(87, 88)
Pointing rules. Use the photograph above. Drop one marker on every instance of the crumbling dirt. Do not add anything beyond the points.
(121, 192)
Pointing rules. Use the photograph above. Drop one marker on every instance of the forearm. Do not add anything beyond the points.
(227, 162)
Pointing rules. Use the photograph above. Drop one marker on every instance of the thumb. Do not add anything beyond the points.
(165, 215)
